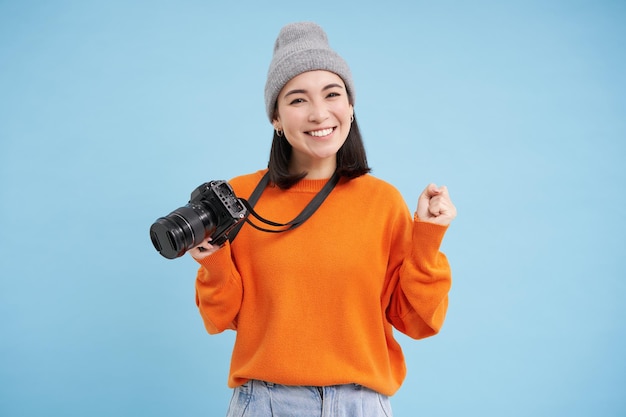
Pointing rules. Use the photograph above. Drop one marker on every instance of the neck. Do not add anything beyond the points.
(321, 169)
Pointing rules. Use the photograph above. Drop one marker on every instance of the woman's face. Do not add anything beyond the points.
(315, 114)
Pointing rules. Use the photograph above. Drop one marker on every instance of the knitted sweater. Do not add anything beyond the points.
(316, 305)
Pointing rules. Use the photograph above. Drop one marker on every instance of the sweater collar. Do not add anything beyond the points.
(309, 186)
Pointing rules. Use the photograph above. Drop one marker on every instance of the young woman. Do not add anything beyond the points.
(314, 306)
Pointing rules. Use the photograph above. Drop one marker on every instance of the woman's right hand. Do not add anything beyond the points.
(203, 250)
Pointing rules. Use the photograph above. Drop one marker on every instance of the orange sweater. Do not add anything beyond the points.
(316, 305)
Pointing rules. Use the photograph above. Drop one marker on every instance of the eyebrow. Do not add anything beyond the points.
(301, 91)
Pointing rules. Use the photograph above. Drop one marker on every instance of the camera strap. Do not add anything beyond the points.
(297, 221)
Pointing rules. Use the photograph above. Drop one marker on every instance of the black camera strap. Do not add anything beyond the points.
(297, 221)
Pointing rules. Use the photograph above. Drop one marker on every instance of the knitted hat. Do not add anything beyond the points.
(302, 47)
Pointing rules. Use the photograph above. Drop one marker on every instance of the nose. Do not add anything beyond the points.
(318, 112)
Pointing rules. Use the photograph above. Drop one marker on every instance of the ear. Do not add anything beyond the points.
(277, 124)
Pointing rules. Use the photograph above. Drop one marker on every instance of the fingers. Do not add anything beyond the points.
(435, 206)
(439, 204)
(203, 250)
(439, 200)
(432, 190)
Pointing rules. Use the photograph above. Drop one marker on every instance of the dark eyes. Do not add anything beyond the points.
(332, 94)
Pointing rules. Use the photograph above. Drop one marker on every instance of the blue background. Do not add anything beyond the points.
(112, 112)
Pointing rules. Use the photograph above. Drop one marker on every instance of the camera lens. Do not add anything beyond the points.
(182, 229)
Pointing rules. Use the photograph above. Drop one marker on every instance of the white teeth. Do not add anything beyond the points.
(320, 133)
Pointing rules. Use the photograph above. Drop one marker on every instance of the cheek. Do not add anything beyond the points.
(289, 119)
(345, 110)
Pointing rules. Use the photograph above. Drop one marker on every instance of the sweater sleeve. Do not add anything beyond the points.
(219, 291)
(419, 300)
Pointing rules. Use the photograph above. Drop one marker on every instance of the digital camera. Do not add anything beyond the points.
(213, 211)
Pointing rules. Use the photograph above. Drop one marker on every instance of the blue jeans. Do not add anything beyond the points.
(265, 399)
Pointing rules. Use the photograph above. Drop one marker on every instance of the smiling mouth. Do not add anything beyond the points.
(321, 133)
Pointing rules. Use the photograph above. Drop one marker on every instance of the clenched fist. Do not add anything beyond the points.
(434, 205)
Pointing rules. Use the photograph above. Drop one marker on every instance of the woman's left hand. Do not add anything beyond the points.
(434, 205)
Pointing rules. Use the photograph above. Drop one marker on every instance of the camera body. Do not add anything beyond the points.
(213, 211)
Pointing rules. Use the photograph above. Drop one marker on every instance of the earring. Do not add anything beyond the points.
(279, 133)
(352, 118)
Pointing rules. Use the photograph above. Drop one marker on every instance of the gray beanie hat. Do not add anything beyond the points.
(302, 47)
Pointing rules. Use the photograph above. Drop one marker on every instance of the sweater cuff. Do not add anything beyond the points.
(433, 226)
(219, 261)
(429, 232)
